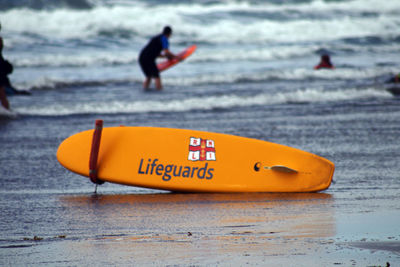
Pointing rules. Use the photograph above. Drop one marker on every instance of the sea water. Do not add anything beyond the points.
(252, 75)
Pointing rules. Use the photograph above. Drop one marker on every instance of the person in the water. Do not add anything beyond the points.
(5, 69)
(158, 46)
(325, 63)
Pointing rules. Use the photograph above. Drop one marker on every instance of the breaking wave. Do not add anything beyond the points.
(217, 22)
(214, 78)
(201, 103)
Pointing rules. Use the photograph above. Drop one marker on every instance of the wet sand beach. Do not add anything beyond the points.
(160, 229)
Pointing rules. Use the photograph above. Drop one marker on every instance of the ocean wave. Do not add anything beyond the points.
(114, 58)
(45, 4)
(195, 21)
(216, 78)
(203, 54)
(211, 6)
(48, 83)
(106, 57)
(201, 103)
(291, 74)
(97, 58)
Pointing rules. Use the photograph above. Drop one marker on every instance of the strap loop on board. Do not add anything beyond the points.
(94, 152)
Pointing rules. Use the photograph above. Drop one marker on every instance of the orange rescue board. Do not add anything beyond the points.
(182, 55)
(195, 161)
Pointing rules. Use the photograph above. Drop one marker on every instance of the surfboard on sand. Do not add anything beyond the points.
(191, 161)
(182, 55)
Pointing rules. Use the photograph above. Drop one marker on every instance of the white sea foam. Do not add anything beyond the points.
(7, 113)
(212, 77)
(280, 74)
(204, 23)
(75, 60)
(229, 54)
(202, 103)
(203, 54)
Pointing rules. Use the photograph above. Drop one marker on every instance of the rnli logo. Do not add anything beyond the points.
(201, 149)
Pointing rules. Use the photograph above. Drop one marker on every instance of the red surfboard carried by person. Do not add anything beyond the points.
(166, 64)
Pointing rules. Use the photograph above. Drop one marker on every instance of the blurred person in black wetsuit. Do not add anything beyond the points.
(5, 69)
(158, 46)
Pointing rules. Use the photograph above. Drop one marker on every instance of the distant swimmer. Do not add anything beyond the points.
(325, 63)
(158, 46)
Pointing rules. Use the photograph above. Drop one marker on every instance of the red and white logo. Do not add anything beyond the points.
(201, 149)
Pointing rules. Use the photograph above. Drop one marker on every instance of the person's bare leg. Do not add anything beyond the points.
(3, 98)
(146, 83)
(158, 83)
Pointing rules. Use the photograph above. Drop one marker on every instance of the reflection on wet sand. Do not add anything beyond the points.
(199, 228)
